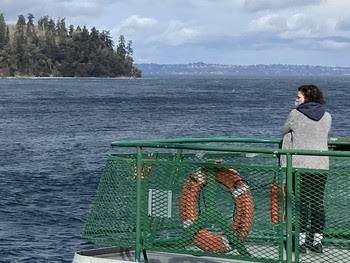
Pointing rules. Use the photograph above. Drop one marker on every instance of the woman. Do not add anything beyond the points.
(307, 127)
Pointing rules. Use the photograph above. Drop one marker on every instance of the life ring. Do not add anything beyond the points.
(243, 215)
(274, 203)
(274, 200)
(144, 171)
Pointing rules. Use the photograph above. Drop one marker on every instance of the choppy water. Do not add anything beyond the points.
(56, 134)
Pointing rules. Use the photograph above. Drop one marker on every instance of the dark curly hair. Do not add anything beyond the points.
(312, 94)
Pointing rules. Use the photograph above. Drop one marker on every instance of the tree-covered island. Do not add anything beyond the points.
(50, 49)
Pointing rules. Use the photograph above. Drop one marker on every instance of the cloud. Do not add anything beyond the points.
(331, 44)
(82, 8)
(176, 33)
(298, 31)
(301, 26)
(55, 8)
(135, 27)
(299, 21)
(193, 4)
(343, 24)
(269, 23)
(258, 5)
(290, 26)
(136, 21)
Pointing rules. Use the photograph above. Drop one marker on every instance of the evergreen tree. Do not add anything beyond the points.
(129, 58)
(7, 40)
(121, 49)
(6, 56)
(20, 45)
(50, 35)
(121, 57)
(30, 26)
(3, 43)
(106, 39)
(20, 31)
(129, 49)
(51, 27)
(61, 40)
(3, 39)
(84, 46)
(31, 50)
(85, 35)
(94, 41)
(71, 30)
(43, 23)
(61, 28)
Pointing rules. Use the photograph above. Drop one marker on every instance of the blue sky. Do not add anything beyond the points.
(245, 32)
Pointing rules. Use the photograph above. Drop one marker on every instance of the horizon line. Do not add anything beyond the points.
(245, 65)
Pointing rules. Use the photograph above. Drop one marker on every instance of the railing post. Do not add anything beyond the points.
(138, 205)
(289, 197)
(297, 211)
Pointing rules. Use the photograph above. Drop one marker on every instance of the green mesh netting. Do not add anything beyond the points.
(196, 204)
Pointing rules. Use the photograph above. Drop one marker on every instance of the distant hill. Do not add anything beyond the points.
(201, 68)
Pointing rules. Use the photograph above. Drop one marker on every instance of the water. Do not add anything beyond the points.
(56, 134)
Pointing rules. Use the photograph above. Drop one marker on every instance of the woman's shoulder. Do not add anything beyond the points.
(327, 115)
(294, 113)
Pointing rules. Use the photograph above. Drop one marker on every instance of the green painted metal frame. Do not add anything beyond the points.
(158, 220)
(197, 144)
(138, 243)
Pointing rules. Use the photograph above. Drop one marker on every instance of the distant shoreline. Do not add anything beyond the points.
(201, 68)
(28, 77)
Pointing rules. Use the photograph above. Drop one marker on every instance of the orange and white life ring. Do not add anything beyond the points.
(274, 200)
(144, 171)
(243, 215)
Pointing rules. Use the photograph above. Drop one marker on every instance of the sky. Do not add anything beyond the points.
(238, 32)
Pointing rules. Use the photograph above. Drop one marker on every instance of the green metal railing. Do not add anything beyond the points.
(137, 203)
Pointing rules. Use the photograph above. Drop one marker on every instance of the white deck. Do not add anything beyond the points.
(122, 255)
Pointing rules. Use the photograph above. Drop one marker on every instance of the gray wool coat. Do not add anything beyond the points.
(300, 132)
